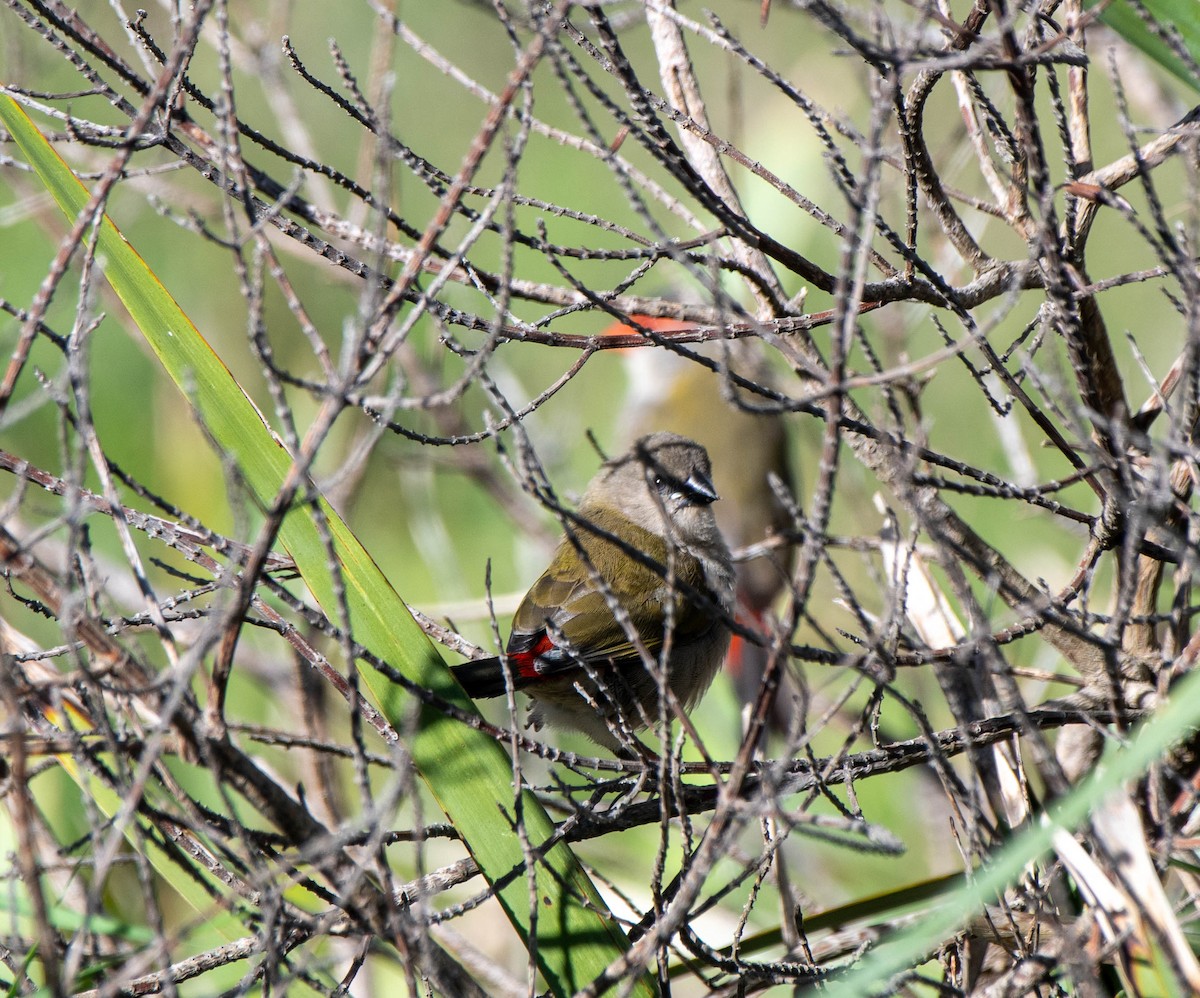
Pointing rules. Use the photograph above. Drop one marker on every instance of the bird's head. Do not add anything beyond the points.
(663, 480)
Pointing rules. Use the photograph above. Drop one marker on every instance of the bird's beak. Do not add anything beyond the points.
(700, 489)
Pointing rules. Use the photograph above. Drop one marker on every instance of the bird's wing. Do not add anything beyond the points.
(566, 619)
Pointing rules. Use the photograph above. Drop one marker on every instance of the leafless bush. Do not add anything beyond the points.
(900, 234)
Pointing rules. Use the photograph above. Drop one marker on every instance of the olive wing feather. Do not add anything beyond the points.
(566, 603)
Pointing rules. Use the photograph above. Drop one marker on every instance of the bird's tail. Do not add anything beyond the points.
(482, 678)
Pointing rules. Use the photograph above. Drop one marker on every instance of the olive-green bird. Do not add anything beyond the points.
(670, 392)
(595, 632)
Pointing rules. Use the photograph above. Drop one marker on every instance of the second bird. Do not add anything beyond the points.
(574, 646)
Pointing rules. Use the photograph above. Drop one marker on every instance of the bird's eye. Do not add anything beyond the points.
(667, 488)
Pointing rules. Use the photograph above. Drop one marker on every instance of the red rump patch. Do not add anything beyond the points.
(526, 660)
(735, 658)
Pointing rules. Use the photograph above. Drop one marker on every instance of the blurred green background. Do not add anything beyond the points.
(432, 529)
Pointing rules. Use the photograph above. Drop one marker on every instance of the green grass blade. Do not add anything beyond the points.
(1119, 766)
(884, 905)
(1179, 16)
(468, 773)
(68, 920)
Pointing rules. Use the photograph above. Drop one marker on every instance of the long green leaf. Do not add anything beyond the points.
(68, 920)
(1119, 766)
(466, 771)
(1181, 17)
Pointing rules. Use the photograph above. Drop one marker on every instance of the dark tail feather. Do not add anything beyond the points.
(482, 678)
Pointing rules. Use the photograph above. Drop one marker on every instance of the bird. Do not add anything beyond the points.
(671, 392)
(640, 591)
